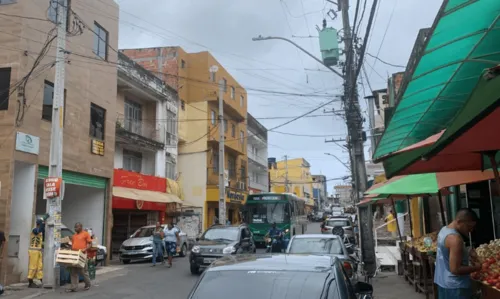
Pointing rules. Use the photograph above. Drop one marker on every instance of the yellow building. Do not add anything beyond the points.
(300, 180)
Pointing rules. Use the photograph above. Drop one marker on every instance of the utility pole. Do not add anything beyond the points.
(53, 225)
(287, 190)
(222, 182)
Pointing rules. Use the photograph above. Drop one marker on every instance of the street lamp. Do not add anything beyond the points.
(261, 38)
(345, 165)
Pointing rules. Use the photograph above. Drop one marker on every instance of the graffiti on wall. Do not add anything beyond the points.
(191, 225)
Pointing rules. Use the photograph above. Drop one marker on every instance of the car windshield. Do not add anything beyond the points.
(260, 284)
(269, 213)
(338, 222)
(226, 233)
(316, 246)
(143, 232)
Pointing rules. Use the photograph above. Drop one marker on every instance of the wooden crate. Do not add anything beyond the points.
(71, 258)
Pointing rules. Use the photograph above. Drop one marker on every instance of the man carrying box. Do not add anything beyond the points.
(81, 241)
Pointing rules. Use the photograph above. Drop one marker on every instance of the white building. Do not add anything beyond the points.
(344, 194)
(257, 156)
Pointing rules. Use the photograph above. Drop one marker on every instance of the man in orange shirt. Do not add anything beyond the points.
(81, 240)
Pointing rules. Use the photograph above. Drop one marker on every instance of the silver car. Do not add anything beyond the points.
(320, 244)
(139, 247)
(341, 226)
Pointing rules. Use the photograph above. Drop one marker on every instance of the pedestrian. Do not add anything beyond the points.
(172, 241)
(35, 256)
(80, 241)
(157, 244)
(391, 224)
(452, 274)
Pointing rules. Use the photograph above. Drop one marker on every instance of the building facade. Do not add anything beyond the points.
(319, 190)
(89, 119)
(298, 172)
(344, 195)
(145, 150)
(198, 91)
(257, 156)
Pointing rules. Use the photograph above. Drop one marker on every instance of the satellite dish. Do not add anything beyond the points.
(213, 69)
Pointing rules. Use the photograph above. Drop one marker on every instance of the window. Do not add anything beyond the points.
(215, 161)
(48, 101)
(133, 117)
(233, 130)
(231, 166)
(243, 171)
(97, 121)
(183, 64)
(242, 137)
(132, 161)
(183, 105)
(212, 76)
(212, 117)
(225, 126)
(225, 84)
(242, 101)
(171, 127)
(232, 92)
(7, 1)
(170, 169)
(100, 41)
(52, 11)
(4, 88)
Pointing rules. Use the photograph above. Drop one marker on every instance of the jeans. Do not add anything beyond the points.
(157, 251)
(454, 293)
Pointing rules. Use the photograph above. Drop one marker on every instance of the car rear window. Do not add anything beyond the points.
(316, 246)
(260, 284)
(338, 222)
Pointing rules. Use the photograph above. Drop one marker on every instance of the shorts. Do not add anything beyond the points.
(171, 248)
(454, 293)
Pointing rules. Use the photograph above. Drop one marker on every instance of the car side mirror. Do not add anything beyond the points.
(363, 288)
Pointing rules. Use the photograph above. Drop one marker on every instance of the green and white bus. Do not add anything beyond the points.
(286, 209)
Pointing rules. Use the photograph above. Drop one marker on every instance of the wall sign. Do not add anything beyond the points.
(139, 204)
(235, 196)
(27, 143)
(52, 187)
(267, 197)
(135, 180)
(97, 147)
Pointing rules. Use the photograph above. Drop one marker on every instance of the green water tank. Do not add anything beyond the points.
(329, 46)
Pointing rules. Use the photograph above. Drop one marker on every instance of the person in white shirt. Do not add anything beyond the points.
(172, 239)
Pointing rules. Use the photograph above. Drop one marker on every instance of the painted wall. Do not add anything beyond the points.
(192, 169)
(148, 160)
(23, 194)
(298, 174)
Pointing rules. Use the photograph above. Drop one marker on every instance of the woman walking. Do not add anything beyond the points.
(157, 243)
(172, 240)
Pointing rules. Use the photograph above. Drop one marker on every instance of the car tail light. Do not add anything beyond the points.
(348, 268)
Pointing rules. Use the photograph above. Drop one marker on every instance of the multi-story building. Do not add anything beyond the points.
(344, 195)
(198, 91)
(319, 189)
(145, 149)
(257, 156)
(26, 113)
(297, 171)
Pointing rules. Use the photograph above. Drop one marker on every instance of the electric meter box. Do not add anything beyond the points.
(329, 46)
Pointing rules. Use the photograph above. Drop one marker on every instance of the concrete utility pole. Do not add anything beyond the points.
(287, 189)
(51, 271)
(222, 182)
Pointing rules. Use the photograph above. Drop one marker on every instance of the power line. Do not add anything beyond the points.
(385, 62)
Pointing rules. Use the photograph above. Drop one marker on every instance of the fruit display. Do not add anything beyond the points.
(489, 256)
(425, 243)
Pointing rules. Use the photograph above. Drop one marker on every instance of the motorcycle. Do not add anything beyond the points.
(274, 244)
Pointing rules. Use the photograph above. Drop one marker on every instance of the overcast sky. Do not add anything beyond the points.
(226, 28)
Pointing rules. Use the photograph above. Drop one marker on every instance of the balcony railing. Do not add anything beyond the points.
(139, 127)
(256, 158)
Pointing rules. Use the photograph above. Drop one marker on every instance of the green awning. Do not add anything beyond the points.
(464, 40)
(410, 185)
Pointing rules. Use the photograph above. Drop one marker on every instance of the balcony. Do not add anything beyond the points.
(140, 133)
(233, 145)
(235, 182)
(256, 159)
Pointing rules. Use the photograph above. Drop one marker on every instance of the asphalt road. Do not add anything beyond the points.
(144, 282)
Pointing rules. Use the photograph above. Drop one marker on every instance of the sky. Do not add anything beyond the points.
(226, 28)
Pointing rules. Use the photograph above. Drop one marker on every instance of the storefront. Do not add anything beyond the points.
(234, 203)
(138, 200)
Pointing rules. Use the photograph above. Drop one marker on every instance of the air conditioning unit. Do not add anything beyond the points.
(241, 186)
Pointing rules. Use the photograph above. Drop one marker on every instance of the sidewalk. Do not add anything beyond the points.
(391, 286)
(21, 290)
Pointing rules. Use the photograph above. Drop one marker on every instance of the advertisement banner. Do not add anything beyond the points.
(135, 180)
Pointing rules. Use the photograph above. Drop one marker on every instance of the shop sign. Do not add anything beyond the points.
(135, 180)
(97, 147)
(139, 204)
(235, 196)
(267, 197)
(27, 143)
(52, 187)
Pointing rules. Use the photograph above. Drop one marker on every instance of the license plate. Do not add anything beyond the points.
(208, 261)
(100, 257)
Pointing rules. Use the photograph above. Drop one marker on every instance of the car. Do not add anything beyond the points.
(218, 241)
(278, 276)
(139, 247)
(102, 251)
(319, 244)
(342, 226)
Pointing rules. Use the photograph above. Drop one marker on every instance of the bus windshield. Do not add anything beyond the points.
(269, 213)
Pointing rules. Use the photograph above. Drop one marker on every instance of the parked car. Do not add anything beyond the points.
(139, 247)
(218, 241)
(319, 244)
(342, 226)
(102, 251)
(283, 276)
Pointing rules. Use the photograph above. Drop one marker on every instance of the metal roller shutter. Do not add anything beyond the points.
(75, 178)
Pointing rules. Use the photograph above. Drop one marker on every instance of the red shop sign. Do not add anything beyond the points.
(135, 180)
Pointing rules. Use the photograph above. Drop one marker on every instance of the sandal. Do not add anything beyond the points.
(86, 288)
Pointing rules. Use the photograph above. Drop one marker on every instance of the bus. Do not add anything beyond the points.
(286, 210)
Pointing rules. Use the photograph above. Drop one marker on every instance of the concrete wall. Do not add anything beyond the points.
(192, 169)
